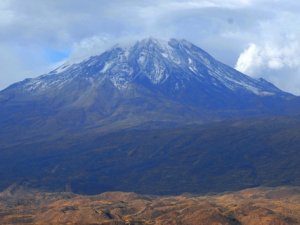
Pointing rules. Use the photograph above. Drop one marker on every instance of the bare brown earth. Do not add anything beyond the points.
(259, 206)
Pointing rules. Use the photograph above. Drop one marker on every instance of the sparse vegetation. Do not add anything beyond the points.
(215, 157)
(259, 206)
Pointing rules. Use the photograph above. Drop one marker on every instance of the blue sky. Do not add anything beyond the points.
(259, 37)
(54, 55)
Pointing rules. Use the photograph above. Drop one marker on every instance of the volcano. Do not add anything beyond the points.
(154, 116)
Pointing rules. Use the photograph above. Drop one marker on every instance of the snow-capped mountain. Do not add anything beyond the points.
(177, 62)
(132, 118)
(148, 81)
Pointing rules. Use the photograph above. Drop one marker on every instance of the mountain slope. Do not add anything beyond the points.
(143, 118)
(150, 80)
(198, 159)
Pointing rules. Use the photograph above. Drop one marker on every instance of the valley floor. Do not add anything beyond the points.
(258, 206)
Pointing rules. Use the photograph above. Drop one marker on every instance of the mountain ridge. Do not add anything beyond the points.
(150, 80)
(218, 130)
(134, 61)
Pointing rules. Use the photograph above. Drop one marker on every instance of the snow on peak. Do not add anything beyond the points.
(156, 60)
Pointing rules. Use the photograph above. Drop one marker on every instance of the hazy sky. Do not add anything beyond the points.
(259, 37)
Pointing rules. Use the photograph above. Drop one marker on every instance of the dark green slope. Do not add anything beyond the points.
(208, 158)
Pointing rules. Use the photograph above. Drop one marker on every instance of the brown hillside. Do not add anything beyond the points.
(260, 206)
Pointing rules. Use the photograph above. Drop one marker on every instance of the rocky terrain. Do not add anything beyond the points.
(258, 206)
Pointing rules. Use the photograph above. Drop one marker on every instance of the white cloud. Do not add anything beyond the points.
(194, 4)
(278, 64)
(256, 58)
(89, 47)
(249, 60)
(275, 54)
(6, 15)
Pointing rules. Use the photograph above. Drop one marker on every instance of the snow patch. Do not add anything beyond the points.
(119, 82)
(142, 59)
(192, 66)
(106, 67)
(62, 68)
